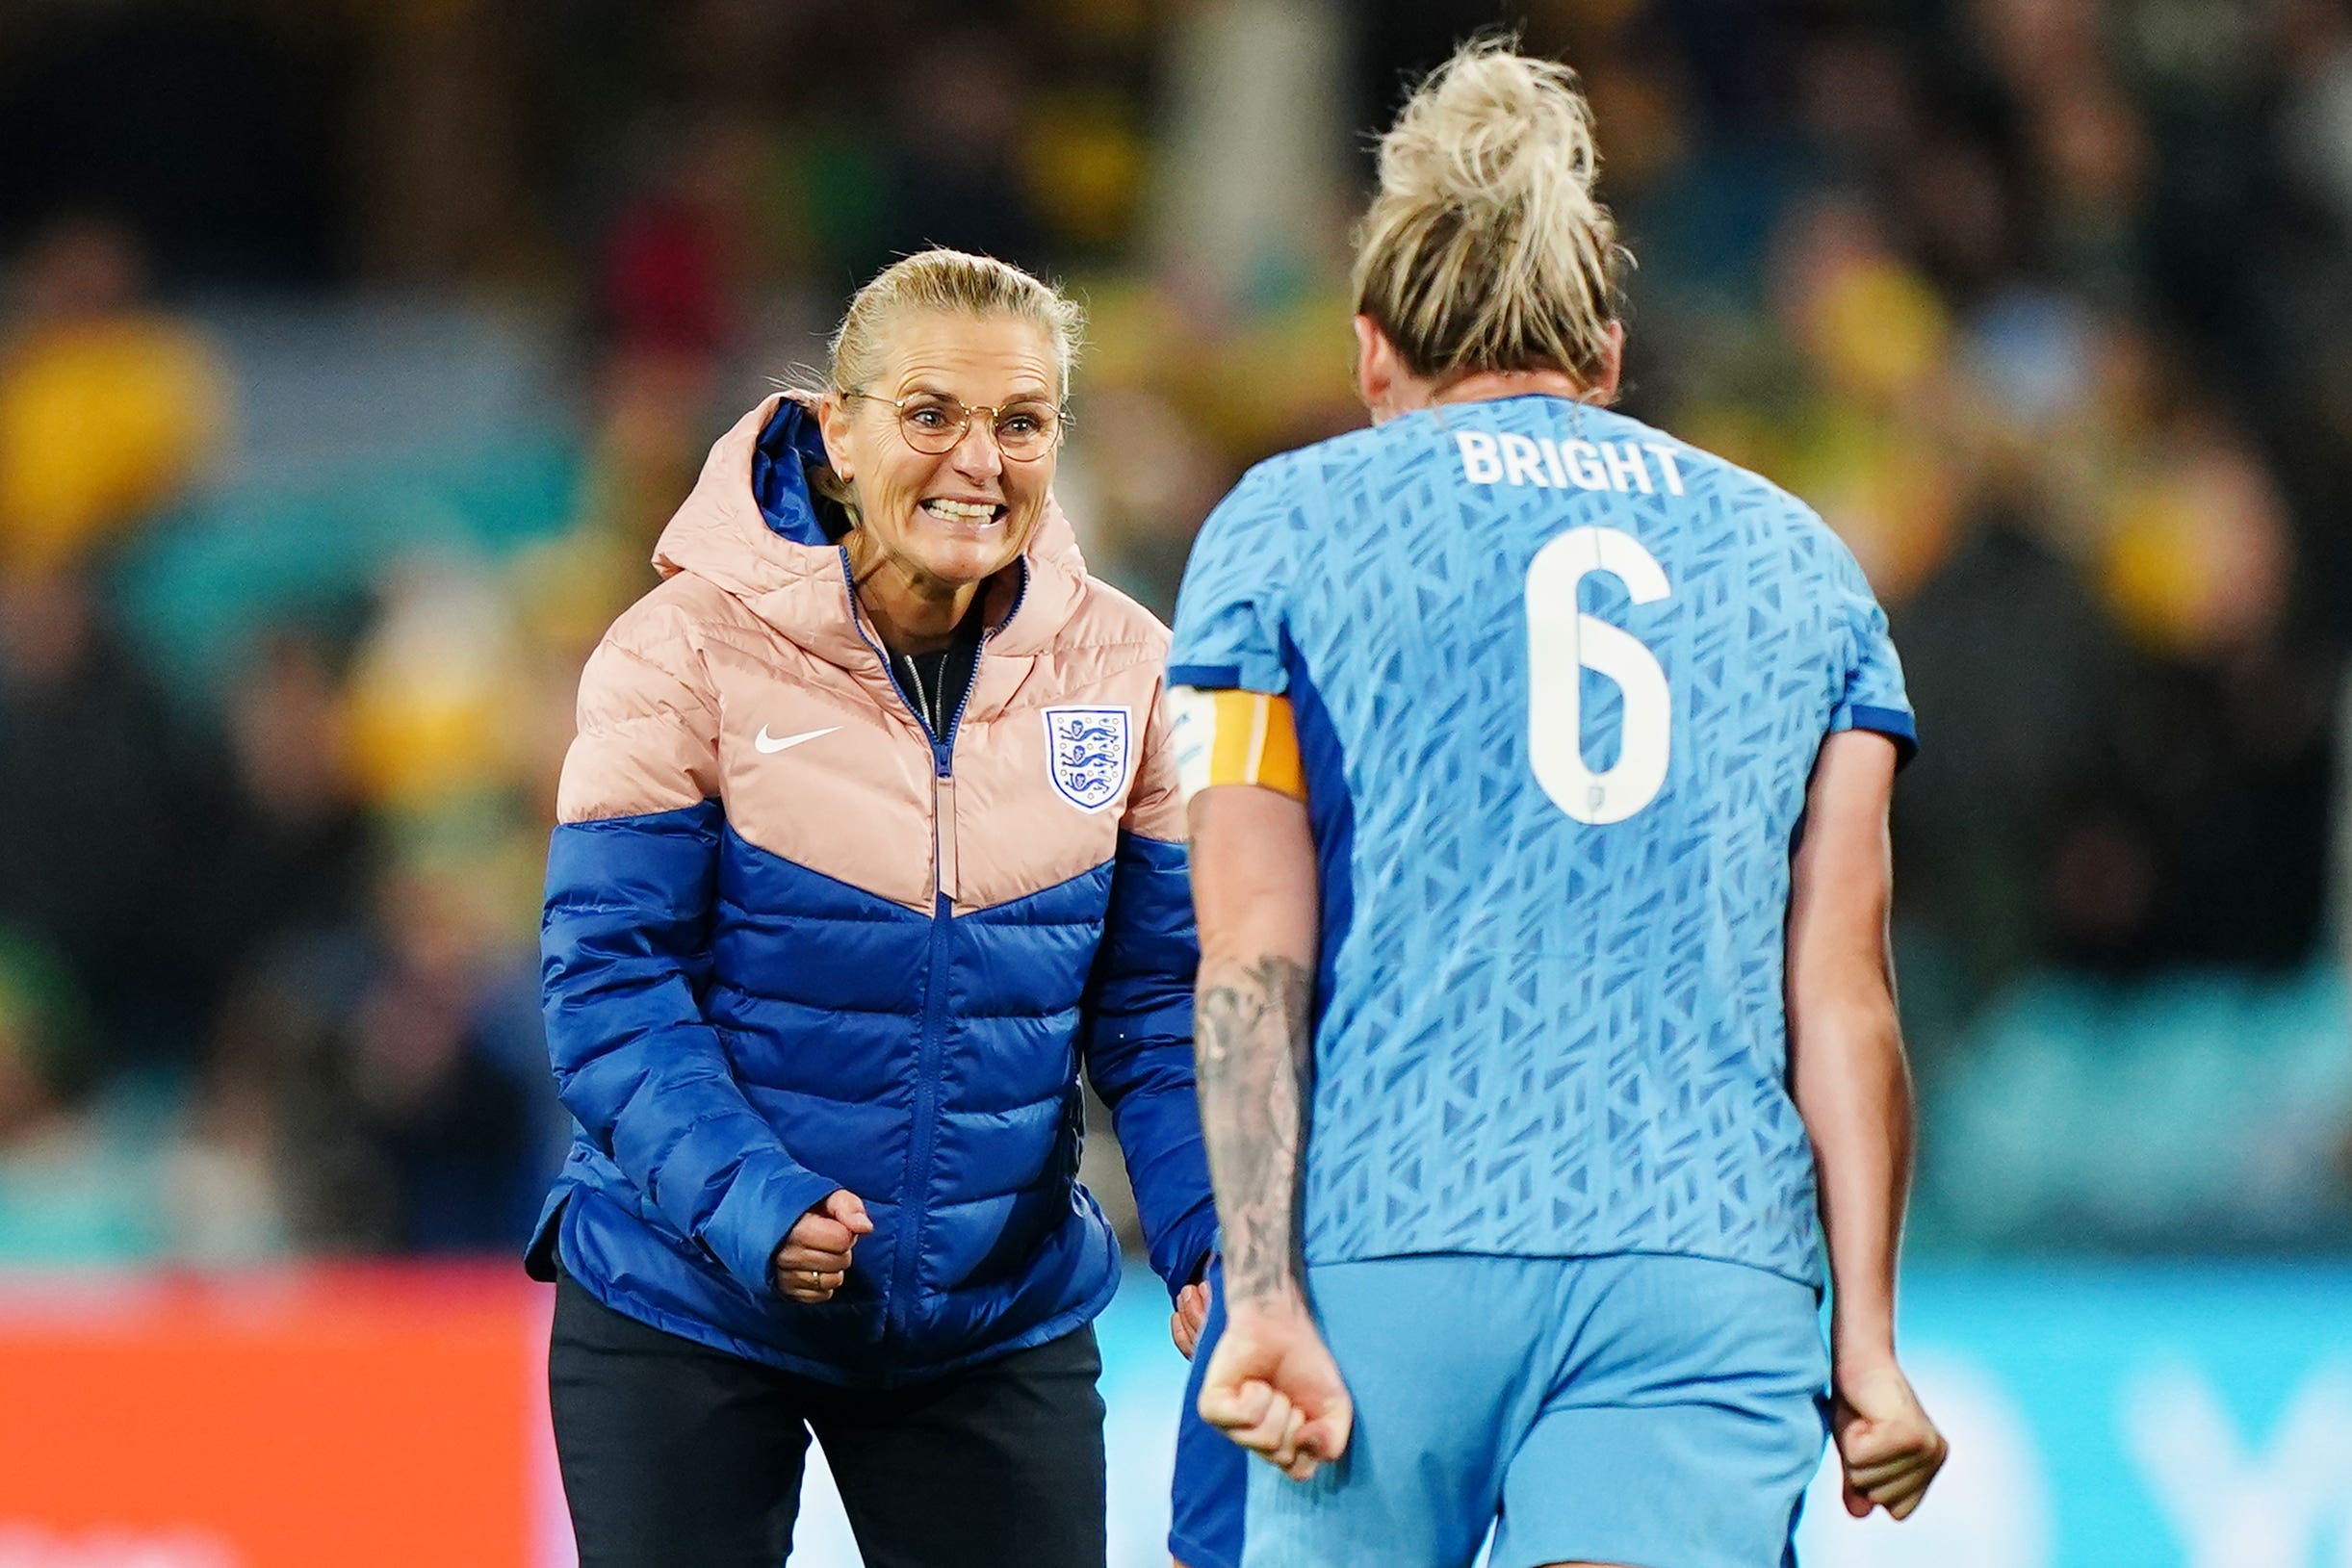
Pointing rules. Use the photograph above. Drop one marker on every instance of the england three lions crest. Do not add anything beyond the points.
(1086, 751)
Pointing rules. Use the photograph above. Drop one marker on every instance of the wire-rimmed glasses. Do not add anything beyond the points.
(934, 424)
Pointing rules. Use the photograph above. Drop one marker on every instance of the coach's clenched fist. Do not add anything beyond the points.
(1890, 1449)
(813, 1260)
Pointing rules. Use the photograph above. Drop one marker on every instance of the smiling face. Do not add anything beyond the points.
(936, 526)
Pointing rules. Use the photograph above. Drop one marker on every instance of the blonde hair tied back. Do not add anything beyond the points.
(959, 283)
(1485, 247)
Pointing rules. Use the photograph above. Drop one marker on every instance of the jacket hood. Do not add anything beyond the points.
(753, 527)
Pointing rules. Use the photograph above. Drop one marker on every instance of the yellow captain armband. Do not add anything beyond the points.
(1231, 737)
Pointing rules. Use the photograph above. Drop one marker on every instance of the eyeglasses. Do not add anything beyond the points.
(935, 424)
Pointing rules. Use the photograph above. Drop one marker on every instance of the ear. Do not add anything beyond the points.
(833, 424)
(1377, 368)
(1604, 390)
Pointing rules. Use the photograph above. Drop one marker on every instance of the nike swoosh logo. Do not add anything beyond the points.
(783, 743)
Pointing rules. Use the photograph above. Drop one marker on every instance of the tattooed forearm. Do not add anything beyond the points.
(1254, 1061)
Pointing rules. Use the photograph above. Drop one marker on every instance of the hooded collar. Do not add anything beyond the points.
(753, 527)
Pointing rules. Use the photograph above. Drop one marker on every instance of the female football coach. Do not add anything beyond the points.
(869, 844)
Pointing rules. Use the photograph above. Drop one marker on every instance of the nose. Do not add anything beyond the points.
(977, 455)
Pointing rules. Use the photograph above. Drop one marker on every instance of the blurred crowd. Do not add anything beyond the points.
(2041, 303)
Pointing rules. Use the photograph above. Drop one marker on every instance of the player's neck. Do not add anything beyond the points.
(1487, 385)
(1410, 395)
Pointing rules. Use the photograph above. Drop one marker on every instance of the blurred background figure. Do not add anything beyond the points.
(351, 358)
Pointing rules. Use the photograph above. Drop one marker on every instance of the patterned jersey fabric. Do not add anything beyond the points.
(1559, 681)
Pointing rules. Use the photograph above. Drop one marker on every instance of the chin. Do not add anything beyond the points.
(974, 562)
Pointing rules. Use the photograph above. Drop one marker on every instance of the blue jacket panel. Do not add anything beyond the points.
(712, 1006)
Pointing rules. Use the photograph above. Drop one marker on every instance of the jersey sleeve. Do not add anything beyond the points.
(1875, 698)
(1228, 617)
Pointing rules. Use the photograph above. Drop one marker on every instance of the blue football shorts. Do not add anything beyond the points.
(1652, 1410)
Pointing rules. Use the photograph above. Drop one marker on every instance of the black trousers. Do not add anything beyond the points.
(674, 1455)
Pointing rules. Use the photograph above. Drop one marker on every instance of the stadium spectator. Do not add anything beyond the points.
(869, 843)
(69, 1192)
(116, 809)
(396, 1061)
(108, 408)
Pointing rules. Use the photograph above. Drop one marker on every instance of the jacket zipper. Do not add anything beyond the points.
(914, 1207)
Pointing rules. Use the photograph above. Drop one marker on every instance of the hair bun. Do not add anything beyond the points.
(1489, 128)
(1485, 248)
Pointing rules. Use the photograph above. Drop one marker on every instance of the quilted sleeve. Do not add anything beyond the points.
(1136, 1027)
(625, 947)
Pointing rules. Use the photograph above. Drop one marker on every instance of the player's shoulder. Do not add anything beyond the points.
(1266, 507)
(1770, 513)
(1376, 452)
(1703, 472)
(1274, 482)
(1380, 453)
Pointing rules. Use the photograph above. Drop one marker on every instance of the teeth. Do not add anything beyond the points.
(962, 511)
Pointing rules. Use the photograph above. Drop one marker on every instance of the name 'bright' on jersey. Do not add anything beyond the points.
(1557, 681)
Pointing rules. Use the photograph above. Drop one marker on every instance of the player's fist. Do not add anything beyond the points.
(1190, 1317)
(810, 1261)
(1889, 1447)
(1273, 1387)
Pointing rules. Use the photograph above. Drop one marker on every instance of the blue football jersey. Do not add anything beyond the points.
(1559, 681)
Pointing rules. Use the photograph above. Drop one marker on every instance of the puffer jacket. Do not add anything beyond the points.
(794, 943)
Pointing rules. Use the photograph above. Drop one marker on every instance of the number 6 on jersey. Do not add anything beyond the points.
(1562, 642)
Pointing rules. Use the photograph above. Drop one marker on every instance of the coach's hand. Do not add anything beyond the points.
(1190, 1317)
(1890, 1449)
(1273, 1387)
(812, 1261)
